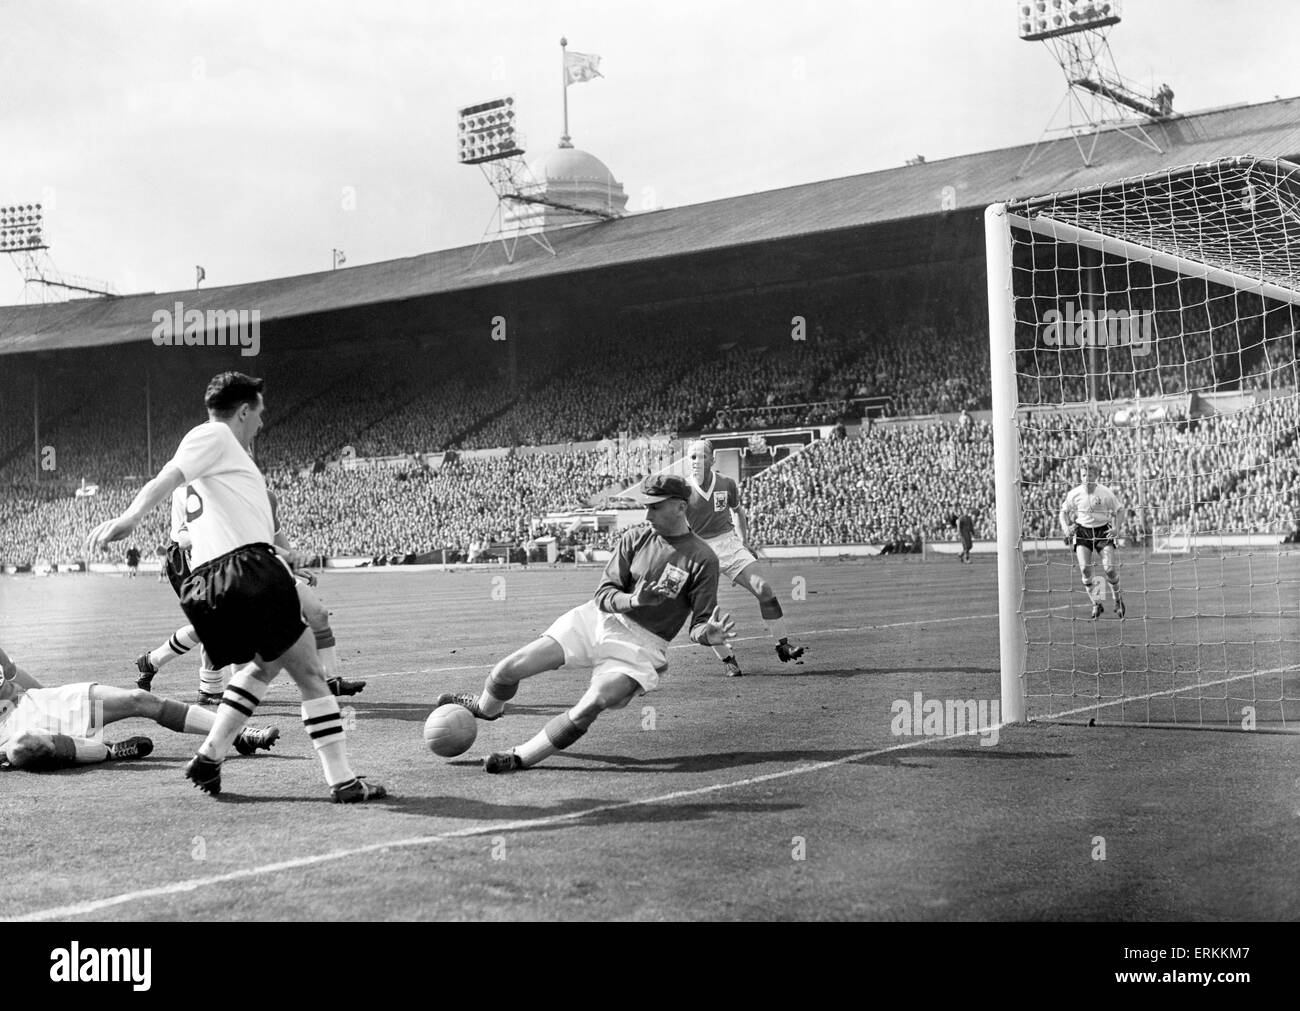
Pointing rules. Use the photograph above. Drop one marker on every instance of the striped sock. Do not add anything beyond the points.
(242, 697)
(181, 642)
(325, 727)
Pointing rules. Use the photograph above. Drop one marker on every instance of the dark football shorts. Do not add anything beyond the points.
(243, 603)
(177, 566)
(1094, 538)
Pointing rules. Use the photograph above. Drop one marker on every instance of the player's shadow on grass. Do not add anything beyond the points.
(720, 761)
(580, 811)
(418, 712)
(853, 672)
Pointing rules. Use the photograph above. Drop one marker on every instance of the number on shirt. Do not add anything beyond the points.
(193, 504)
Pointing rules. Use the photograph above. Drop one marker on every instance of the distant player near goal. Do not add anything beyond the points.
(714, 498)
(1088, 516)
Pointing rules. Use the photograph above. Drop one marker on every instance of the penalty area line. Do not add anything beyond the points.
(412, 842)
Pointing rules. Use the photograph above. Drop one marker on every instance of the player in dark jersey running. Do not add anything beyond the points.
(660, 576)
(714, 498)
(966, 531)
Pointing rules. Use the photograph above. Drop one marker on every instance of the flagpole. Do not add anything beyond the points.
(564, 83)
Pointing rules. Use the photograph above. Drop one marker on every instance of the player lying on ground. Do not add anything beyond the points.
(659, 576)
(52, 728)
(1087, 517)
(212, 683)
(240, 596)
(713, 501)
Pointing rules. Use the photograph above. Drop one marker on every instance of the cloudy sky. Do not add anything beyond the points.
(161, 135)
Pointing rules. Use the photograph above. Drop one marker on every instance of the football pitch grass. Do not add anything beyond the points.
(785, 794)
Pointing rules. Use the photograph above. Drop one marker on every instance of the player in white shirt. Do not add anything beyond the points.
(240, 595)
(212, 682)
(1088, 518)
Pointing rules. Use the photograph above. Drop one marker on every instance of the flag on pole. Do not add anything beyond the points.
(579, 67)
(199, 275)
(340, 258)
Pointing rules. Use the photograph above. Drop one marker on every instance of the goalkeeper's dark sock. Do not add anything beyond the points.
(495, 695)
(557, 735)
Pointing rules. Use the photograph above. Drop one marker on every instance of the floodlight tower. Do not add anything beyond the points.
(1098, 96)
(488, 138)
(22, 238)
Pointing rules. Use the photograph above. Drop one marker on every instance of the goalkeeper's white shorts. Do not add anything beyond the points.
(732, 554)
(610, 644)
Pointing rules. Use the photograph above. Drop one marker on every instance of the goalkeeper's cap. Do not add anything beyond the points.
(660, 488)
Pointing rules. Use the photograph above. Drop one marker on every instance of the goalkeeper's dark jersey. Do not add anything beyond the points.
(684, 561)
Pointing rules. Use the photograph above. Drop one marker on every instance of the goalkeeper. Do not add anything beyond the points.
(1087, 517)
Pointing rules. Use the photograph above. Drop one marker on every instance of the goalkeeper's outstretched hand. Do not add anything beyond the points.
(719, 629)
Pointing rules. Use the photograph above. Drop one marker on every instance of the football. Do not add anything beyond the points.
(450, 730)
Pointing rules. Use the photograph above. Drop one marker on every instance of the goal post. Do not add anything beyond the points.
(1149, 326)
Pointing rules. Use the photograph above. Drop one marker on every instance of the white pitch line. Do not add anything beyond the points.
(193, 884)
(1129, 699)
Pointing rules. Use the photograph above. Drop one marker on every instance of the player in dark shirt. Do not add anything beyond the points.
(132, 561)
(660, 577)
(966, 531)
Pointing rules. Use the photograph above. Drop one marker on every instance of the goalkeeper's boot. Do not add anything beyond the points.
(132, 747)
(147, 671)
(1097, 609)
(467, 700)
(733, 667)
(252, 739)
(502, 761)
(204, 773)
(357, 791)
(1119, 608)
(342, 686)
(785, 652)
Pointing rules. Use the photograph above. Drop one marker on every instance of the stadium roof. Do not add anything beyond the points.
(1267, 130)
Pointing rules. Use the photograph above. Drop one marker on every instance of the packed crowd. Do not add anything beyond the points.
(894, 483)
(1235, 472)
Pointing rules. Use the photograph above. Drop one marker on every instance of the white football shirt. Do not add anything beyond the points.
(226, 505)
(1091, 509)
(178, 513)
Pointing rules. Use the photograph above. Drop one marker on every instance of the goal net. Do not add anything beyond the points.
(1149, 326)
